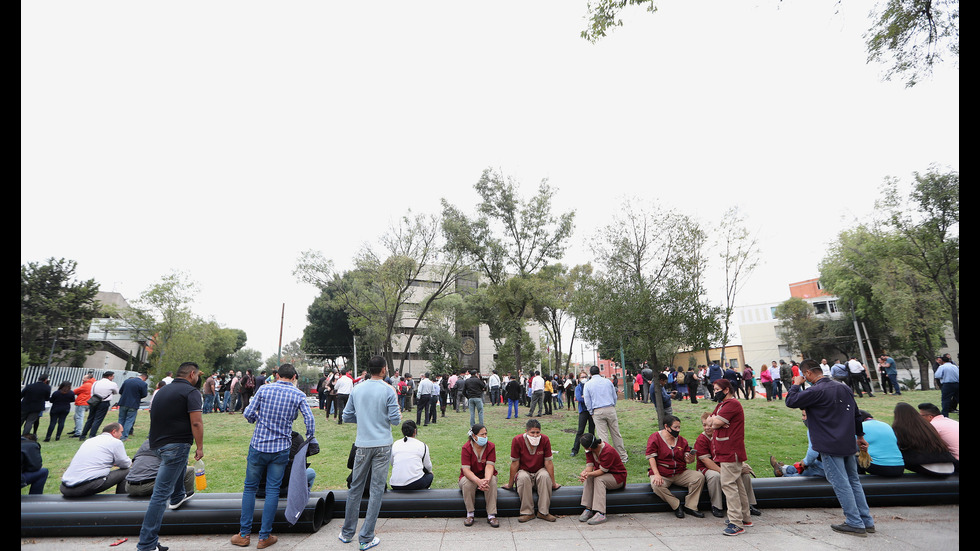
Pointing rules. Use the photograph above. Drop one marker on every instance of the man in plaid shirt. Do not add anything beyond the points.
(273, 410)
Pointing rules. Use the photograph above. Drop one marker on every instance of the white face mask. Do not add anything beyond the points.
(534, 440)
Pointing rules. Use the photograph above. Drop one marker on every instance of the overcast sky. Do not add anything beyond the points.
(224, 138)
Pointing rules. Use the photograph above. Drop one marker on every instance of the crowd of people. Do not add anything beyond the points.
(843, 440)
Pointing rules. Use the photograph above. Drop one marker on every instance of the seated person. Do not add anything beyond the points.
(810, 465)
(531, 467)
(143, 473)
(91, 469)
(923, 450)
(32, 473)
(886, 458)
(411, 466)
(948, 429)
(712, 471)
(294, 446)
(669, 453)
(478, 472)
(604, 470)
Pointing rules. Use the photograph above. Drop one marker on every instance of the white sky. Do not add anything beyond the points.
(224, 138)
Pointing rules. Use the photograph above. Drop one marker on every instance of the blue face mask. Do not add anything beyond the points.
(481, 440)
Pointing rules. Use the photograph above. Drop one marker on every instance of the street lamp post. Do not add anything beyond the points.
(51, 354)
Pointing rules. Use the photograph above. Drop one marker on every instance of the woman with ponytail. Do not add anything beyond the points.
(477, 472)
(411, 466)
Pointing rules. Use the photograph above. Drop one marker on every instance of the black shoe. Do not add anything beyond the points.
(679, 512)
(851, 530)
(573, 453)
(754, 510)
(693, 512)
(717, 512)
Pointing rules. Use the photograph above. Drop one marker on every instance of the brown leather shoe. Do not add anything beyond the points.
(468, 521)
(493, 522)
(271, 540)
(548, 517)
(238, 540)
(524, 518)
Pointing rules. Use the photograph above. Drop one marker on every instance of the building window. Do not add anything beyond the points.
(832, 306)
(820, 307)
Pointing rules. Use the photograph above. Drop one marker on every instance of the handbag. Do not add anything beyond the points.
(94, 400)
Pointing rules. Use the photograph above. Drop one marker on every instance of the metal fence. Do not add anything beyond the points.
(58, 375)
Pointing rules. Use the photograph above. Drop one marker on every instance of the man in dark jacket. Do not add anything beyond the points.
(131, 393)
(32, 399)
(31, 471)
(836, 432)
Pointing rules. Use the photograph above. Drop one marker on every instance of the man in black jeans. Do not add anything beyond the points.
(584, 417)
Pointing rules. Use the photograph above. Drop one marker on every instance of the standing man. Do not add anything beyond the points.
(536, 385)
(512, 392)
(434, 399)
(344, 386)
(494, 384)
(82, 394)
(452, 390)
(531, 467)
(858, 378)
(948, 375)
(600, 397)
(777, 382)
(891, 371)
(272, 409)
(103, 389)
(584, 417)
(473, 389)
(175, 422)
(32, 399)
(714, 373)
(209, 390)
(836, 432)
(422, 397)
(727, 422)
(131, 393)
(838, 372)
(374, 407)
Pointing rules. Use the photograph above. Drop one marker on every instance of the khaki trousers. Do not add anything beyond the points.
(526, 482)
(736, 496)
(607, 429)
(594, 491)
(712, 479)
(468, 487)
(690, 479)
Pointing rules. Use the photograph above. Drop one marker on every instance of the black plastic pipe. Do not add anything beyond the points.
(773, 493)
(112, 514)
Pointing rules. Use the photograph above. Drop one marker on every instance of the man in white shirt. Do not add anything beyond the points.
(422, 397)
(104, 388)
(537, 393)
(858, 378)
(494, 384)
(91, 469)
(344, 385)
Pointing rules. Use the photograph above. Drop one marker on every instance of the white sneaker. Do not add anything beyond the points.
(370, 544)
(175, 506)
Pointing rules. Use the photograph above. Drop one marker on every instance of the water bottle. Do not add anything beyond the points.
(200, 481)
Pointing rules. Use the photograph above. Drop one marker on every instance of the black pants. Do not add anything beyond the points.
(59, 420)
(692, 390)
(583, 419)
(95, 418)
(422, 409)
(340, 404)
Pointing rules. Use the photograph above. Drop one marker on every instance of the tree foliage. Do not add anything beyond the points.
(914, 36)
(51, 298)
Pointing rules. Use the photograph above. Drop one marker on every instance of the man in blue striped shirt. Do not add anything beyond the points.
(273, 409)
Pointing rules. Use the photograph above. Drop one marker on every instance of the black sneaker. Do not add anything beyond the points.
(851, 530)
(753, 510)
(717, 512)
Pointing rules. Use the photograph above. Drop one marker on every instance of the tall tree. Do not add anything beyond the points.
(510, 239)
(51, 298)
(162, 312)
(740, 256)
(916, 35)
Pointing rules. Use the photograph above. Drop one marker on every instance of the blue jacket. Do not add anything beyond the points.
(832, 416)
(714, 373)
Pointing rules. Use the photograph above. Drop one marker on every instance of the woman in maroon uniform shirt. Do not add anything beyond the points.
(477, 472)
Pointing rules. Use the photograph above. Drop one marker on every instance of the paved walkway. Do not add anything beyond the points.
(931, 528)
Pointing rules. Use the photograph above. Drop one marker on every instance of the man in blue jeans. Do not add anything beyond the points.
(175, 422)
(373, 406)
(272, 409)
(836, 431)
(131, 393)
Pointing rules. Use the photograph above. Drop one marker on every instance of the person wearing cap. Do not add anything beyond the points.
(669, 453)
(604, 470)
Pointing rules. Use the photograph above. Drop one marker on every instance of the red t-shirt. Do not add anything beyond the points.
(702, 447)
(527, 461)
(609, 461)
(670, 461)
(476, 464)
(728, 444)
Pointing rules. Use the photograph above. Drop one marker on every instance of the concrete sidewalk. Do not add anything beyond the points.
(932, 528)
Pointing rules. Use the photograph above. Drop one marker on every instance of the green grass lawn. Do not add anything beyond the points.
(771, 429)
